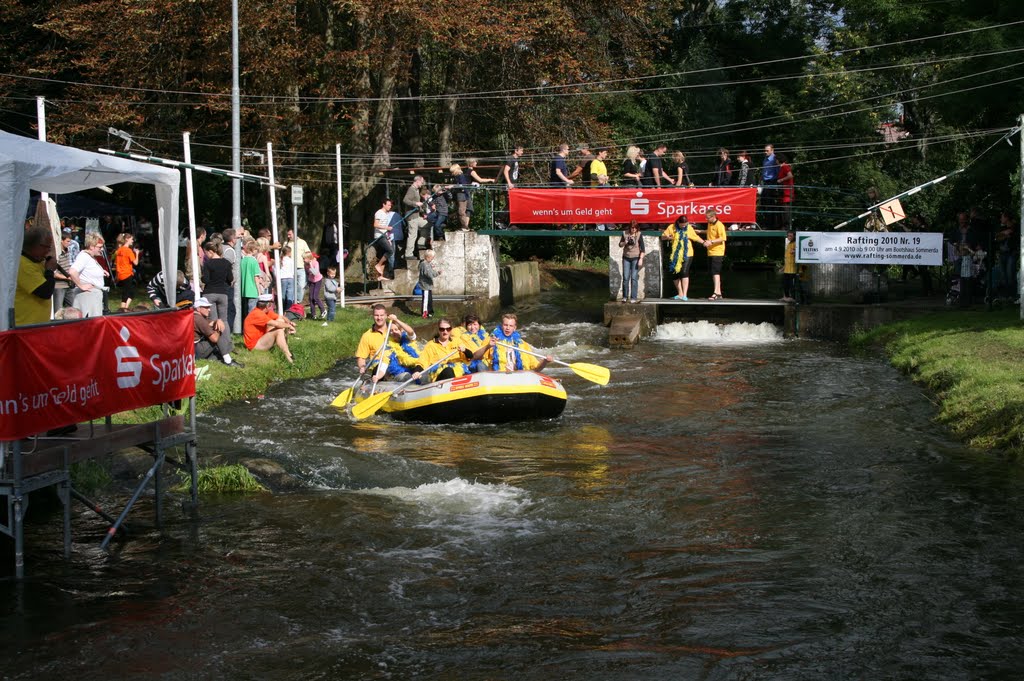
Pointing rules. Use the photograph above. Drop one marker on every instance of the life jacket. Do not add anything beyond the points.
(474, 341)
(502, 357)
(459, 368)
(402, 355)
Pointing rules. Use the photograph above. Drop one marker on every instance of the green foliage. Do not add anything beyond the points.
(89, 476)
(233, 478)
(971, 360)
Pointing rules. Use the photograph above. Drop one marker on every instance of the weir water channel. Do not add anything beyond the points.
(733, 505)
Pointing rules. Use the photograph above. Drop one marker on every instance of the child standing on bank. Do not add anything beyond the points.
(316, 283)
(427, 275)
(331, 291)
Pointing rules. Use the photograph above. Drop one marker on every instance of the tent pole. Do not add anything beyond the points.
(190, 200)
(273, 224)
(341, 231)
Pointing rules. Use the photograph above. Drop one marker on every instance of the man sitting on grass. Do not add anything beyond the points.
(211, 337)
(264, 328)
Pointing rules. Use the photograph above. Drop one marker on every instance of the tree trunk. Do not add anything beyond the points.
(448, 107)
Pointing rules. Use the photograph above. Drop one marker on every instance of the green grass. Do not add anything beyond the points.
(972, 361)
(234, 478)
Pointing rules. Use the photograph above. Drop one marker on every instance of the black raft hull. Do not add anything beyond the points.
(486, 397)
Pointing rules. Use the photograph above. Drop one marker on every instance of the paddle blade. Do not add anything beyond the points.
(342, 400)
(591, 372)
(370, 406)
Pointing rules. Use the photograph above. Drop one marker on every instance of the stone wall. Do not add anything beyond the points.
(650, 273)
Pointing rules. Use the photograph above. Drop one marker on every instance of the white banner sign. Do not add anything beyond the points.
(870, 248)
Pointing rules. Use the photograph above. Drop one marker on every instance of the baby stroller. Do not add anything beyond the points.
(967, 270)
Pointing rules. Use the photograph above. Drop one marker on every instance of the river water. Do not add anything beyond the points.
(731, 506)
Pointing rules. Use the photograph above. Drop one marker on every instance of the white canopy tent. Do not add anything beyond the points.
(27, 164)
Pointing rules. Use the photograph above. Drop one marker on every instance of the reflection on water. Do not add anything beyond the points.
(731, 506)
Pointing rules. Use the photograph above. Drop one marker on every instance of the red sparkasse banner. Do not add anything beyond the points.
(643, 204)
(57, 375)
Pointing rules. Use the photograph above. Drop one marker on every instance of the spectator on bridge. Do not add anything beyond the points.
(786, 183)
(631, 167)
(381, 238)
(413, 211)
(723, 171)
(744, 176)
(558, 175)
(583, 169)
(680, 175)
(654, 173)
(439, 215)
(598, 169)
(461, 188)
(770, 191)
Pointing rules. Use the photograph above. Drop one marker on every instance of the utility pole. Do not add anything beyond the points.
(236, 135)
(1020, 258)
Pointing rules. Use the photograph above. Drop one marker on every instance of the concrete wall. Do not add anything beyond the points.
(469, 266)
(519, 280)
(650, 274)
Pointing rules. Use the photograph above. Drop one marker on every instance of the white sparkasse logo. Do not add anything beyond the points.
(639, 206)
(129, 366)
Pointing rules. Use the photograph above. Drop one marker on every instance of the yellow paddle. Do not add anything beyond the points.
(372, 405)
(342, 400)
(592, 372)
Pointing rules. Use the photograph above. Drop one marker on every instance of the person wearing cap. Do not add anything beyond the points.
(264, 328)
(715, 243)
(211, 336)
(680, 254)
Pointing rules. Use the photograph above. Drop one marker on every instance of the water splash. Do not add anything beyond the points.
(703, 331)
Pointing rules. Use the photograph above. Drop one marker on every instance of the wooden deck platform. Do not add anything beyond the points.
(45, 461)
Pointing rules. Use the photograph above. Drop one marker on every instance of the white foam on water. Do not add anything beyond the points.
(458, 504)
(703, 331)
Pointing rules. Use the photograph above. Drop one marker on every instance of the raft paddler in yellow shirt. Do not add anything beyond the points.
(437, 350)
(472, 336)
(498, 356)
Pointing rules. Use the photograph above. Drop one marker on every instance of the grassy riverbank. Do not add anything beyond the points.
(972, 362)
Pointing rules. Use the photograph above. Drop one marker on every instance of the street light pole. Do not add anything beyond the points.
(236, 135)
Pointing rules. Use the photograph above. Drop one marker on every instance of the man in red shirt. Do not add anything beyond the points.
(786, 182)
(264, 328)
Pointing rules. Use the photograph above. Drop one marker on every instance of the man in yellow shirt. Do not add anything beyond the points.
(789, 269)
(35, 278)
(715, 244)
(597, 167)
(372, 339)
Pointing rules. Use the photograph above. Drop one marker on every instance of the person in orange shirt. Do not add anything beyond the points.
(125, 260)
(264, 328)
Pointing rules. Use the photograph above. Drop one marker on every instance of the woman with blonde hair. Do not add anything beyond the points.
(631, 166)
(682, 173)
(461, 185)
